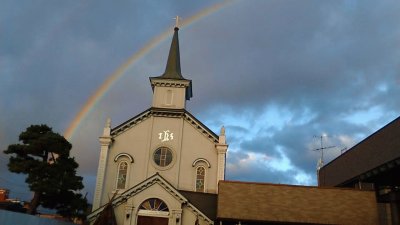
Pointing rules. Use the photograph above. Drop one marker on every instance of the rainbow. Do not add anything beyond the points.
(117, 74)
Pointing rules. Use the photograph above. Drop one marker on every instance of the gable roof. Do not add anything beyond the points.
(205, 202)
(176, 113)
(377, 154)
(155, 179)
(246, 201)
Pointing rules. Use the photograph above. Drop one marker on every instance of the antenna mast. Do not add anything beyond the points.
(322, 148)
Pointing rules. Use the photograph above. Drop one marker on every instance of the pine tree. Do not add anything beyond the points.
(51, 173)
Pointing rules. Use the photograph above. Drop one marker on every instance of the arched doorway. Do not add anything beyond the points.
(153, 211)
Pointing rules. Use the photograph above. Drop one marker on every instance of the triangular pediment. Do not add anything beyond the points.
(160, 112)
(156, 179)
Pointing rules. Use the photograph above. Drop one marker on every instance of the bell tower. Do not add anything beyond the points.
(171, 89)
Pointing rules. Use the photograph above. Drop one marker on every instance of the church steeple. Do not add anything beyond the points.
(173, 68)
(171, 89)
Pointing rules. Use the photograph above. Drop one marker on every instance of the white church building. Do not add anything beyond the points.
(154, 162)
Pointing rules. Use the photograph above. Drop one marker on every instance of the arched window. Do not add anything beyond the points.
(200, 179)
(154, 204)
(122, 175)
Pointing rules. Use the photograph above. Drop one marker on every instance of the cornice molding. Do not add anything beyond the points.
(170, 83)
(130, 123)
(105, 140)
(199, 126)
(171, 113)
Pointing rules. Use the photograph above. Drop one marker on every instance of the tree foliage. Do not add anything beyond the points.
(51, 173)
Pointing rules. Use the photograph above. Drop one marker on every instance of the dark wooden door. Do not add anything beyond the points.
(148, 220)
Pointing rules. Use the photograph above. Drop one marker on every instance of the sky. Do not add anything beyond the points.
(278, 74)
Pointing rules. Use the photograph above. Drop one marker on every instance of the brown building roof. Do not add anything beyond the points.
(298, 204)
(376, 159)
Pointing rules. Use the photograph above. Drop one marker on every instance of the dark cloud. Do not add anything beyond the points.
(275, 73)
(323, 56)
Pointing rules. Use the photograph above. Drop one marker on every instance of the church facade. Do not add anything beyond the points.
(147, 162)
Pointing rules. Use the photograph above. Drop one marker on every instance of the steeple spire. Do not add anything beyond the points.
(173, 68)
(173, 73)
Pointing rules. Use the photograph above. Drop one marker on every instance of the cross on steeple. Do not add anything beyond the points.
(177, 18)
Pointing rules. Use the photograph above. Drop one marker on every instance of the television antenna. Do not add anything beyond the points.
(322, 148)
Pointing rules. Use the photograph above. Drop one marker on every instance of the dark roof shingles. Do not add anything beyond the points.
(274, 203)
(205, 202)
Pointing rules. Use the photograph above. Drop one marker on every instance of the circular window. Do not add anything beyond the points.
(162, 156)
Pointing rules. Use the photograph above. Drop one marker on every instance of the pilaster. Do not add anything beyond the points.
(130, 216)
(176, 216)
(221, 148)
(105, 143)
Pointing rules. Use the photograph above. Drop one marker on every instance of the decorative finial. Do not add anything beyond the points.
(107, 128)
(222, 138)
(108, 123)
(222, 130)
(177, 19)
